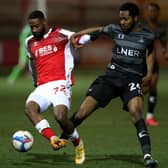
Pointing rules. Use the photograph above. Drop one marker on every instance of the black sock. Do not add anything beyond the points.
(64, 136)
(152, 100)
(75, 122)
(143, 136)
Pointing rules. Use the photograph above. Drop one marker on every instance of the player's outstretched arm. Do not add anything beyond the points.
(88, 31)
(149, 62)
(82, 37)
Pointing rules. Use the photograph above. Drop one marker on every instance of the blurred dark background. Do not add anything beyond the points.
(69, 14)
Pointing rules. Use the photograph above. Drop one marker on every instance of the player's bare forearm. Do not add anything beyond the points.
(166, 51)
(166, 46)
(166, 56)
(87, 31)
(149, 62)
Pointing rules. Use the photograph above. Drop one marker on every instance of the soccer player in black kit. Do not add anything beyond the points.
(131, 65)
(161, 39)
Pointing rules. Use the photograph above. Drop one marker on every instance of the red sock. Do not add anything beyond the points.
(76, 142)
(48, 133)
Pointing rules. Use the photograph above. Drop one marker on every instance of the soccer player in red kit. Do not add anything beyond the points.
(51, 65)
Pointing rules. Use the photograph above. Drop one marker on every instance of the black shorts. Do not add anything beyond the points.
(104, 89)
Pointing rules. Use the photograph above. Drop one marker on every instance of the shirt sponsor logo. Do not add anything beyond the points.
(128, 52)
(45, 50)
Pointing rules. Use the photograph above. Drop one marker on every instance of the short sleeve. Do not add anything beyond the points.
(108, 29)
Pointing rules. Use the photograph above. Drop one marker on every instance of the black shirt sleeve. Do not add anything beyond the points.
(95, 35)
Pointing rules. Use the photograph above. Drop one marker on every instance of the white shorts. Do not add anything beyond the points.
(52, 93)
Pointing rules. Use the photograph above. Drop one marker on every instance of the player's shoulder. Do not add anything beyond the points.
(112, 28)
(149, 33)
(116, 26)
(65, 32)
(29, 38)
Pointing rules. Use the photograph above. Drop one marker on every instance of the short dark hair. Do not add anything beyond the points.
(36, 14)
(155, 5)
(131, 7)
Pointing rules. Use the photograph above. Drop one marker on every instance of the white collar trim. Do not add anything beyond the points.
(46, 35)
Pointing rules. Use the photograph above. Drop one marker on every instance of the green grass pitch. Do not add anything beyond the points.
(109, 136)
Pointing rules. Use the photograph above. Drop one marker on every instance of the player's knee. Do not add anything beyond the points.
(60, 113)
(61, 116)
(31, 109)
(28, 111)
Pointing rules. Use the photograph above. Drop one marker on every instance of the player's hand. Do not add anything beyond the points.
(146, 84)
(74, 41)
(146, 80)
(166, 55)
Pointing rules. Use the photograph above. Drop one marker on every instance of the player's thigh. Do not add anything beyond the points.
(41, 100)
(52, 93)
(60, 95)
(130, 91)
(102, 92)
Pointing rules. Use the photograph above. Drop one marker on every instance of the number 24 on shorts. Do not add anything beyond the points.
(134, 86)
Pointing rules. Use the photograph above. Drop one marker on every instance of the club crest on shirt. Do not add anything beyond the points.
(121, 36)
(141, 40)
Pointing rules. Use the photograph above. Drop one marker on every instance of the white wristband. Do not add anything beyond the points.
(84, 39)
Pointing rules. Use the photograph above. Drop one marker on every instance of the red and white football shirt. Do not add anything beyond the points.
(52, 56)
